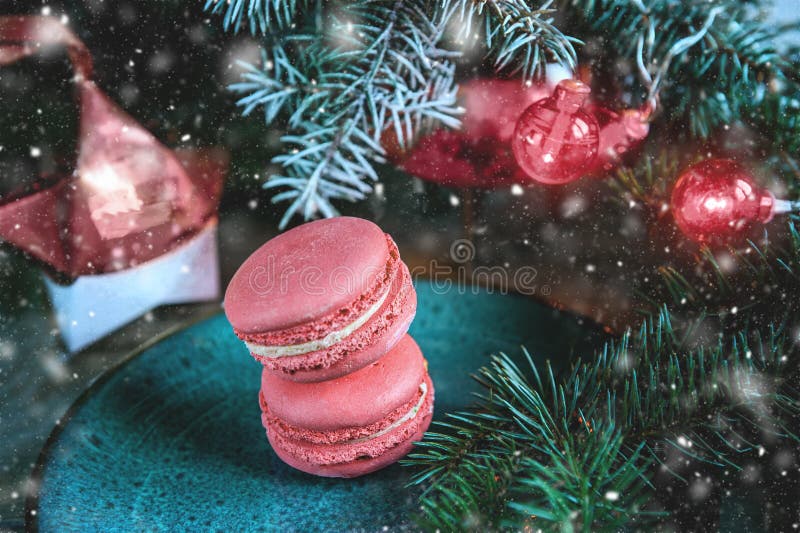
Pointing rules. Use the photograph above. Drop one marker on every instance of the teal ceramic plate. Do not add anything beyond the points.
(173, 438)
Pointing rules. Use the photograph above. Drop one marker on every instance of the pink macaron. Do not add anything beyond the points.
(322, 300)
(355, 424)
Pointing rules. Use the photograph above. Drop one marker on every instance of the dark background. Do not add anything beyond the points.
(167, 63)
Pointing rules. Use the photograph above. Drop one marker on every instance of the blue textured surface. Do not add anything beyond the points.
(173, 439)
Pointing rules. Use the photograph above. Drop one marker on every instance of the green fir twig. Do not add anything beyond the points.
(577, 452)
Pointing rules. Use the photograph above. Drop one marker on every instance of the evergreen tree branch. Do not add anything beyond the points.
(776, 119)
(756, 275)
(393, 52)
(262, 15)
(670, 394)
(522, 39)
(704, 86)
(577, 451)
(379, 65)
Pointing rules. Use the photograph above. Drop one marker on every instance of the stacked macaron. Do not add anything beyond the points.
(325, 308)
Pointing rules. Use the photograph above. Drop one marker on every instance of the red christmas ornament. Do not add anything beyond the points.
(480, 154)
(717, 198)
(555, 140)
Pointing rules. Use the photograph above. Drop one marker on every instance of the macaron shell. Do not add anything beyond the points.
(357, 399)
(304, 273)
(339, 318)
(343, 435)
(356, 468)
(357, 458)
(323, 453)
(364, 346)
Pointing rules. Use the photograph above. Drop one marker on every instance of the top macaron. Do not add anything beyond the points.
(322, 300)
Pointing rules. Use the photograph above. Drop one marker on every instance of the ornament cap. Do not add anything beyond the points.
(766, 209)
(570, 95)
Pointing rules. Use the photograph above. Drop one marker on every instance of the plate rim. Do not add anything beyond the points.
(31, 519)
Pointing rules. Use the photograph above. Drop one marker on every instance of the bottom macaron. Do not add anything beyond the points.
(355, 424)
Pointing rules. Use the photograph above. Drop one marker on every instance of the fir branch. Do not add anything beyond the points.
(392, 53)
(377, 66)
(263, 15)
(751, 274)
(668, 393)
(522, 39)
(576, 451)
(705, 85)
(757, 274)
(328, 163)
(273, 84)
(396, 72)
(386, 68)
(732, 70)
(648, 183)
(775, 117)
(605, 488)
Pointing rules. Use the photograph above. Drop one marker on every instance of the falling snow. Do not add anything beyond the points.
(168, 65)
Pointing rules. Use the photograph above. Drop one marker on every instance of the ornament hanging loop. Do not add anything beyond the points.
(649, 109)
(653, 82)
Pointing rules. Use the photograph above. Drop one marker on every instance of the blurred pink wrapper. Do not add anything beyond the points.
(130, 198)
(132, 206)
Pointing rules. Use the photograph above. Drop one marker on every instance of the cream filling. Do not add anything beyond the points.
(400, 421)
(320, 344)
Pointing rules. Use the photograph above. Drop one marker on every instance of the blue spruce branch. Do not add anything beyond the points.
(386, 68)
(377, 65)
(262, 15)
(393, 54)
(522, 39)
(706, 85)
